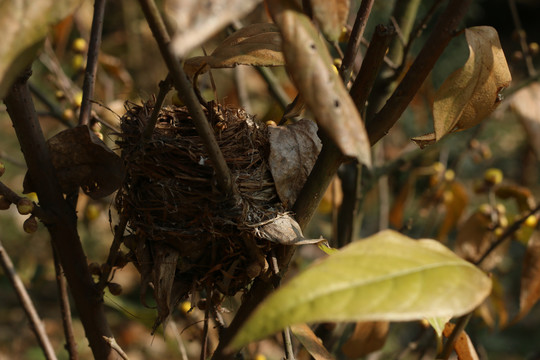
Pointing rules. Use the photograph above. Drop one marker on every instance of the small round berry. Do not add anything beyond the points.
(493, 176)
(78, 45)
(271, 123)
(94, 268)
(185, 307)
(115, 288)
(531, 221)
(30, 225)
(25, 206)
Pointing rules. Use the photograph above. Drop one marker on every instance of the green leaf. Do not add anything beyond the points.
(24, 25)
(438, 323)
(387, 276)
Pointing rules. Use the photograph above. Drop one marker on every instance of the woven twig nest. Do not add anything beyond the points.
(184, 234)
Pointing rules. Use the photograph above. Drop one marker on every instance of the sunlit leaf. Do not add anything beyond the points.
(256, 44)
(24, 25)
(313, 73)
(438, 323)
(293, 151)
(331, 15)
(463, 346)
(196, 21)
(472, 92)
(368, 336)
(311, 342)
(526, 103)
(530, 276)
(386, 277)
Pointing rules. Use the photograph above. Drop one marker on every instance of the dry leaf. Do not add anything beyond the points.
(164, 268)
(196, 21)
(293, 151)
(367, 337)
(331, 16)
(530, 276)
(312, 71)
(82, 159)
(256, 45)
(526, 104)
(311, 342)
(523, 195)
(475, 237)
(472, 92)
(455, 201)
(463, 346)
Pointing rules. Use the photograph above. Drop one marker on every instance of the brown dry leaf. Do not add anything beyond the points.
(164, 268)
(24, 25)
(283, 230)
(311, 342)
(196, 21)
(312, 71)
(82, 159)
(471, 93)
(332, 198)
(475, 237)
(331, 16)
(463, 346)
(293, 151)
(455, 201)
(530, 276)
(256, 45)
(526, 104)
(367, 337)
(523, 195)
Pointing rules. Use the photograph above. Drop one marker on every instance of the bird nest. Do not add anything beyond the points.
(184, 234)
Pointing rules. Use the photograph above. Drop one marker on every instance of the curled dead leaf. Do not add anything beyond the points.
(293, 151)
(196, 21)
(331, 16)
(367, 337)
(312, 71)
(283, 230)
(530, 276)
(81, 159)
(472, 92)
(255, 44)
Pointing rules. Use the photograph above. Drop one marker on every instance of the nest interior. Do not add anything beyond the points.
(172, 203)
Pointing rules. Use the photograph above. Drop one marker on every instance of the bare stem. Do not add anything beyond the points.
(28, 306)
(440, 37)
(164, 88)
(356, 37)
(113, 252)
(92, 61)
(71, 344)
(449, 345)
(522, 39)
(184, 88)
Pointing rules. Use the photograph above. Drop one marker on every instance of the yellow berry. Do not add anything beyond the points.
(271, 123)
(336, 71)
(77, 62)
(449, 175)
(30, 225)
(59, 95)
(185, 307)
(503, 221)
(68, 114)
(531, 221)
(485, 209)
(92, 212)
(337, 62)
(534, 48)
(32, 196)
(344, 36)
(493, 176)
(2, 168)
(25, 206)
(78, 45)
(260, 356)
(499, 231)
(448, 196)
(438, 167)
(77, 99)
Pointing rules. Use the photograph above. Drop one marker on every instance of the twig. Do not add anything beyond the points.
(164, 88)
(28, 306)
(184, 88)
(449, 345)
(13, 198)
(354, 41)
(507, 234)
(113, 251)
(71, 345)
(419, 70)
(92, 61)
(241, 89)
(522, 39)
(55, 111)
(114, 345)
(273, 85)
(63, 230)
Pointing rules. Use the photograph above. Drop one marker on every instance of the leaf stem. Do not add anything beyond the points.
(185, 90)
(92, 61)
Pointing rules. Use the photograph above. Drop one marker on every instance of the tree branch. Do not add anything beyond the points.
(440, 37)
(65, 239)
(28, 306)
(92, 62)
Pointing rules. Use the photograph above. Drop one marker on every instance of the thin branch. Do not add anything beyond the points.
(164, 88)
(92, 62)
(449, 345)
(63, 231)
(13, 198)
(71, 344)
(440, 37)
(184, 88)
(55, 111)
(113, 251)
(28, 306)
(356, 36)
(273, 85)
(522, 39)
